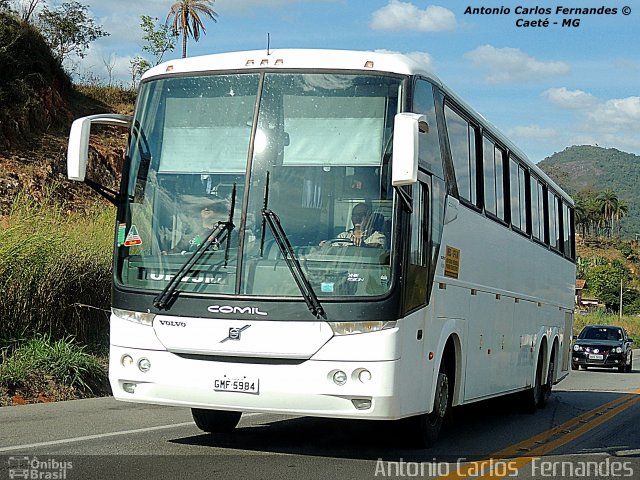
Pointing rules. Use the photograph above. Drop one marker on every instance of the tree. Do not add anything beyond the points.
(160, 38)
(26, 8)
(608, 205)
(621, 211)
(137, 66)
(69, 29)
(186, 19)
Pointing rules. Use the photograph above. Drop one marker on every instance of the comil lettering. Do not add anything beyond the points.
(227, 309)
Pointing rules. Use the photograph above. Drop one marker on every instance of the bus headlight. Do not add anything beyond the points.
(135, 317)
(350, 328)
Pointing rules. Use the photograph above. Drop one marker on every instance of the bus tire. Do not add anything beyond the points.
(425, 428)
(532, 397)
(215, 421)
(547, 387)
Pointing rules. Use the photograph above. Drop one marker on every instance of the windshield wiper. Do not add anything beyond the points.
(271, 219)
(164, 298)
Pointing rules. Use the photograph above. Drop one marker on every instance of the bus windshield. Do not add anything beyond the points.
(312, 149)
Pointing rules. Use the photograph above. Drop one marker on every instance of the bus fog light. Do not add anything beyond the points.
(364, 376)
(361, 403)
(129, 387)
(126, 360)
(144, 364)
(339, 377)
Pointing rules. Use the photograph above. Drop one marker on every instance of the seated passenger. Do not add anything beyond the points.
(367, 228)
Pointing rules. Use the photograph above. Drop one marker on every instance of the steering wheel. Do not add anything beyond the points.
(345, 241)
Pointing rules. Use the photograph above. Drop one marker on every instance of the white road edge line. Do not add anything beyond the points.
(93, 437)
(103, 435)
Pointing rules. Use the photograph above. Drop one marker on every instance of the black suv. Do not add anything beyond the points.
(602, 346)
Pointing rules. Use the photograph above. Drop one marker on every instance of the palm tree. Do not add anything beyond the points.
(608, 205)
(621, 211)
(186, 19)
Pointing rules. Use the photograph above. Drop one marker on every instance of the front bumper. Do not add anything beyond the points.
(301, 388)
(611, 360)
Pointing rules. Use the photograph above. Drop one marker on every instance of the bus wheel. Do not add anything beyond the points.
(546, 388)
(533, 396)
(429, 424)
(215, 421)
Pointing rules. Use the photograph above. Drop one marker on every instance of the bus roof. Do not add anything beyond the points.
(316, 59)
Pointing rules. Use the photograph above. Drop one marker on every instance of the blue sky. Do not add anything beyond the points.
(546, 88)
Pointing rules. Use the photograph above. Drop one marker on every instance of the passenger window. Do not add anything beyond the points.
(515, 194)
(489, 176)
(462, 141)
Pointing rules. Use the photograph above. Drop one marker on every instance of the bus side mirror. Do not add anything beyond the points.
(406, 142)
(78, 149)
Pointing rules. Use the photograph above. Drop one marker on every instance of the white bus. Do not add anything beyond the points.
(379, 251)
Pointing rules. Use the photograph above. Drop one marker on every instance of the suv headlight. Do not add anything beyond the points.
(577, 348)
(618, 349)
(135, 317)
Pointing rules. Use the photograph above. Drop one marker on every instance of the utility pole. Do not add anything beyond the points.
(620, 297)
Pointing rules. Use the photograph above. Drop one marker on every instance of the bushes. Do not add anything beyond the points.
(55, 272)
(60, 368)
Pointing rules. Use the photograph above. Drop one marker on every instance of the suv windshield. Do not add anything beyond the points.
(311, 148)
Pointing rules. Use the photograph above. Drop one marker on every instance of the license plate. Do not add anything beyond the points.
(596, 357)
(239, 385)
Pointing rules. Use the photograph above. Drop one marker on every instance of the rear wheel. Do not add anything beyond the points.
(546, 388)
(533, 396)
(215, 421)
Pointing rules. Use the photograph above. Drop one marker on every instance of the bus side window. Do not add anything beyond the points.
(429, 155)
(418, 267)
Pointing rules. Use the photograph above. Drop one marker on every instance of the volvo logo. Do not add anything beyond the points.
(227, 309)
(234, 333)
(171, 323)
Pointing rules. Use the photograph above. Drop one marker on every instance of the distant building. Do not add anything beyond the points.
(583, 303)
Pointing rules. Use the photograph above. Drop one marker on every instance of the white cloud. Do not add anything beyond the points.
(399, 16)
(534, 132)
(423, 58)
(573, 99)
(509, 65)
(617, 114)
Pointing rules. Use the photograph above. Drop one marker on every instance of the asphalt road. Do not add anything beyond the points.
(589, 429)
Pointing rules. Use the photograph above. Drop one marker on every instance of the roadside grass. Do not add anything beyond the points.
(43, 369)
(55, 284)
(630, 323)
(55, 269)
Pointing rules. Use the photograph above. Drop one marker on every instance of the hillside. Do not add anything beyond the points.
(37, 105)
(585, 166)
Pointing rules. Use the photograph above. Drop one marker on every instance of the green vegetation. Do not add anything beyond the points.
(55, 271)
(55, 282)
(45, 369)
(594, 169)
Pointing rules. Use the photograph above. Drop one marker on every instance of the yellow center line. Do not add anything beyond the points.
(525, 451)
